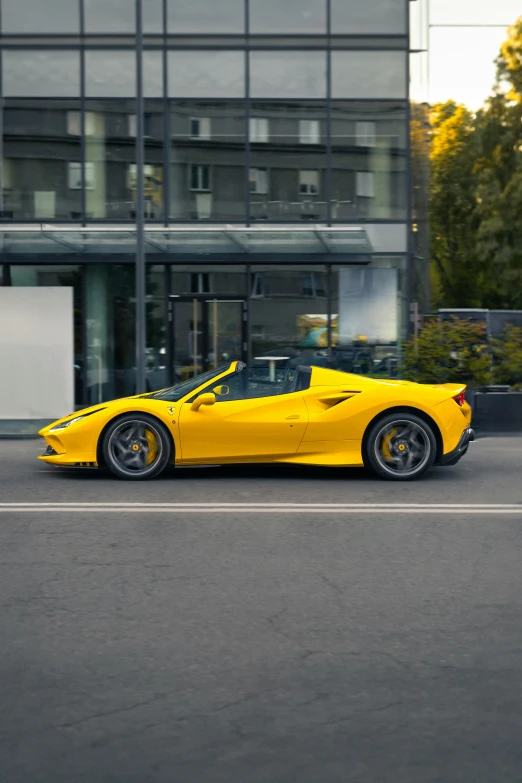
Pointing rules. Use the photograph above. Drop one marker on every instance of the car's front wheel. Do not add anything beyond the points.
(136, 447)
(400, 447)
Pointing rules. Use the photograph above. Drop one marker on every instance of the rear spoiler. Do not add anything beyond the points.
(455, 390)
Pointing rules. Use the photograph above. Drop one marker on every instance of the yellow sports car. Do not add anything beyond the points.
(306, 415)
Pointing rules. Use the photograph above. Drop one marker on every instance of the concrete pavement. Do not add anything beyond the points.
(249, 647)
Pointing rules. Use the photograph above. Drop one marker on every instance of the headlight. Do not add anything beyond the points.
(66, 424)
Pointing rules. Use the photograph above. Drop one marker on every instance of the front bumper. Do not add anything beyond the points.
(467, 437)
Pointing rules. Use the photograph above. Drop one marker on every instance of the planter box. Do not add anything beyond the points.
(497, 412)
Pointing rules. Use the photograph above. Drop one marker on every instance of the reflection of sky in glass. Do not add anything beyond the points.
(41, 74)
(39, 16)
(477, 47)
(288, 74)
(119, 16)
(206, 74)
(206, 16)
(368, 74)
(110, 74)
(287, 16)
(368, 16)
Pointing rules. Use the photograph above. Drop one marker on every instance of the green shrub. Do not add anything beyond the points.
(507, 357)
(453, 351)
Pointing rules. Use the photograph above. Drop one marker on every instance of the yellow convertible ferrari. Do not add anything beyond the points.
(234, 414)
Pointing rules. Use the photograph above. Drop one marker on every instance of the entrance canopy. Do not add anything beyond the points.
(346, 244)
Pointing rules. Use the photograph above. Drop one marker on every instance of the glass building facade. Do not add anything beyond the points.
(274, 207)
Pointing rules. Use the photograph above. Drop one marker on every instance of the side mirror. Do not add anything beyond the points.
(222, 390)
(203, 399)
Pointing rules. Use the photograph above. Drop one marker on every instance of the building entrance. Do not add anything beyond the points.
(204, 331)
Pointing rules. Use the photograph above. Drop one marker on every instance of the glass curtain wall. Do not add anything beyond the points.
(273, 134)
(306, 123)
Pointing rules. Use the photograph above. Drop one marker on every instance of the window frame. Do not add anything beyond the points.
(254, 125)
(200, 188)
(90, 179)
(310, 138)
(265, 189)
(363, 138)
(309, 185)
(368, 178)
(206, 122)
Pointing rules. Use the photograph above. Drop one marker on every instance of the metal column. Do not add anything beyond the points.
(141, 312)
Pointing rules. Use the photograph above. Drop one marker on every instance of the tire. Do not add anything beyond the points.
(136, 447)
(400, 447)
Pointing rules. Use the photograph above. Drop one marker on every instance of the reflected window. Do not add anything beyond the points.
(37, 152)
(259, 130)
(288, 74)
(295, 156)
(199, 177)
(110, 74)
(148, 125)
(110, 16)
(290, 318)
(353, 17)
(200, 283)
(365, 134)
(207, 180)
(202, 16)
(52, 16)
(133, 125)
(281, 16)
(369, 74)
(364, 186)
(313, 284)
(258, 181)
(110, 153)
(74, 127)
(75, 176)
(369, 155)
(309, 132)
(258, 285)
(206, 74)
(200, 128)
(37, 74)
(309, 183)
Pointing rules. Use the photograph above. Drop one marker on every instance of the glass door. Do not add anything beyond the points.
(226, 327)
(204, 332)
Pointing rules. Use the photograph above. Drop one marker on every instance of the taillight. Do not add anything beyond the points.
(459, 399)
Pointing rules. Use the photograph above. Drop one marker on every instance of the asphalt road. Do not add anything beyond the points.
(271, 644)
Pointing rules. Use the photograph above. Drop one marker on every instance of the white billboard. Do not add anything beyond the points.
(36, 353)
(368, 305)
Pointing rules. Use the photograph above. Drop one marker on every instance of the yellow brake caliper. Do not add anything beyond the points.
(386, 443)
(153, 447)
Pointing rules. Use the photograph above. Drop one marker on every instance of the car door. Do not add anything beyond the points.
(261, 427)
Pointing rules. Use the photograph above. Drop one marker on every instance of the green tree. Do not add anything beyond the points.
(499, 175)
(476, 193)
(455, 282)
(453, 351)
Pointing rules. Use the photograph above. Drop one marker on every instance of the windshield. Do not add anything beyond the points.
(179, 391)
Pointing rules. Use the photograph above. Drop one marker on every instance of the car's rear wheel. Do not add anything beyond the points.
(136, 447)
(400, 447)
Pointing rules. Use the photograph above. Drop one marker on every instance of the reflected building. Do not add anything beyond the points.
(277, 178)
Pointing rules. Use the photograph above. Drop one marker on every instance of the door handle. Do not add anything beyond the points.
(288, 418)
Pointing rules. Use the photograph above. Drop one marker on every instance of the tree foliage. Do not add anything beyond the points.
(459, 351)
(476, 193)
(507, 357)
(452, 351)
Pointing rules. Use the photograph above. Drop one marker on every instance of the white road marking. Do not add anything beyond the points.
(264, 508)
